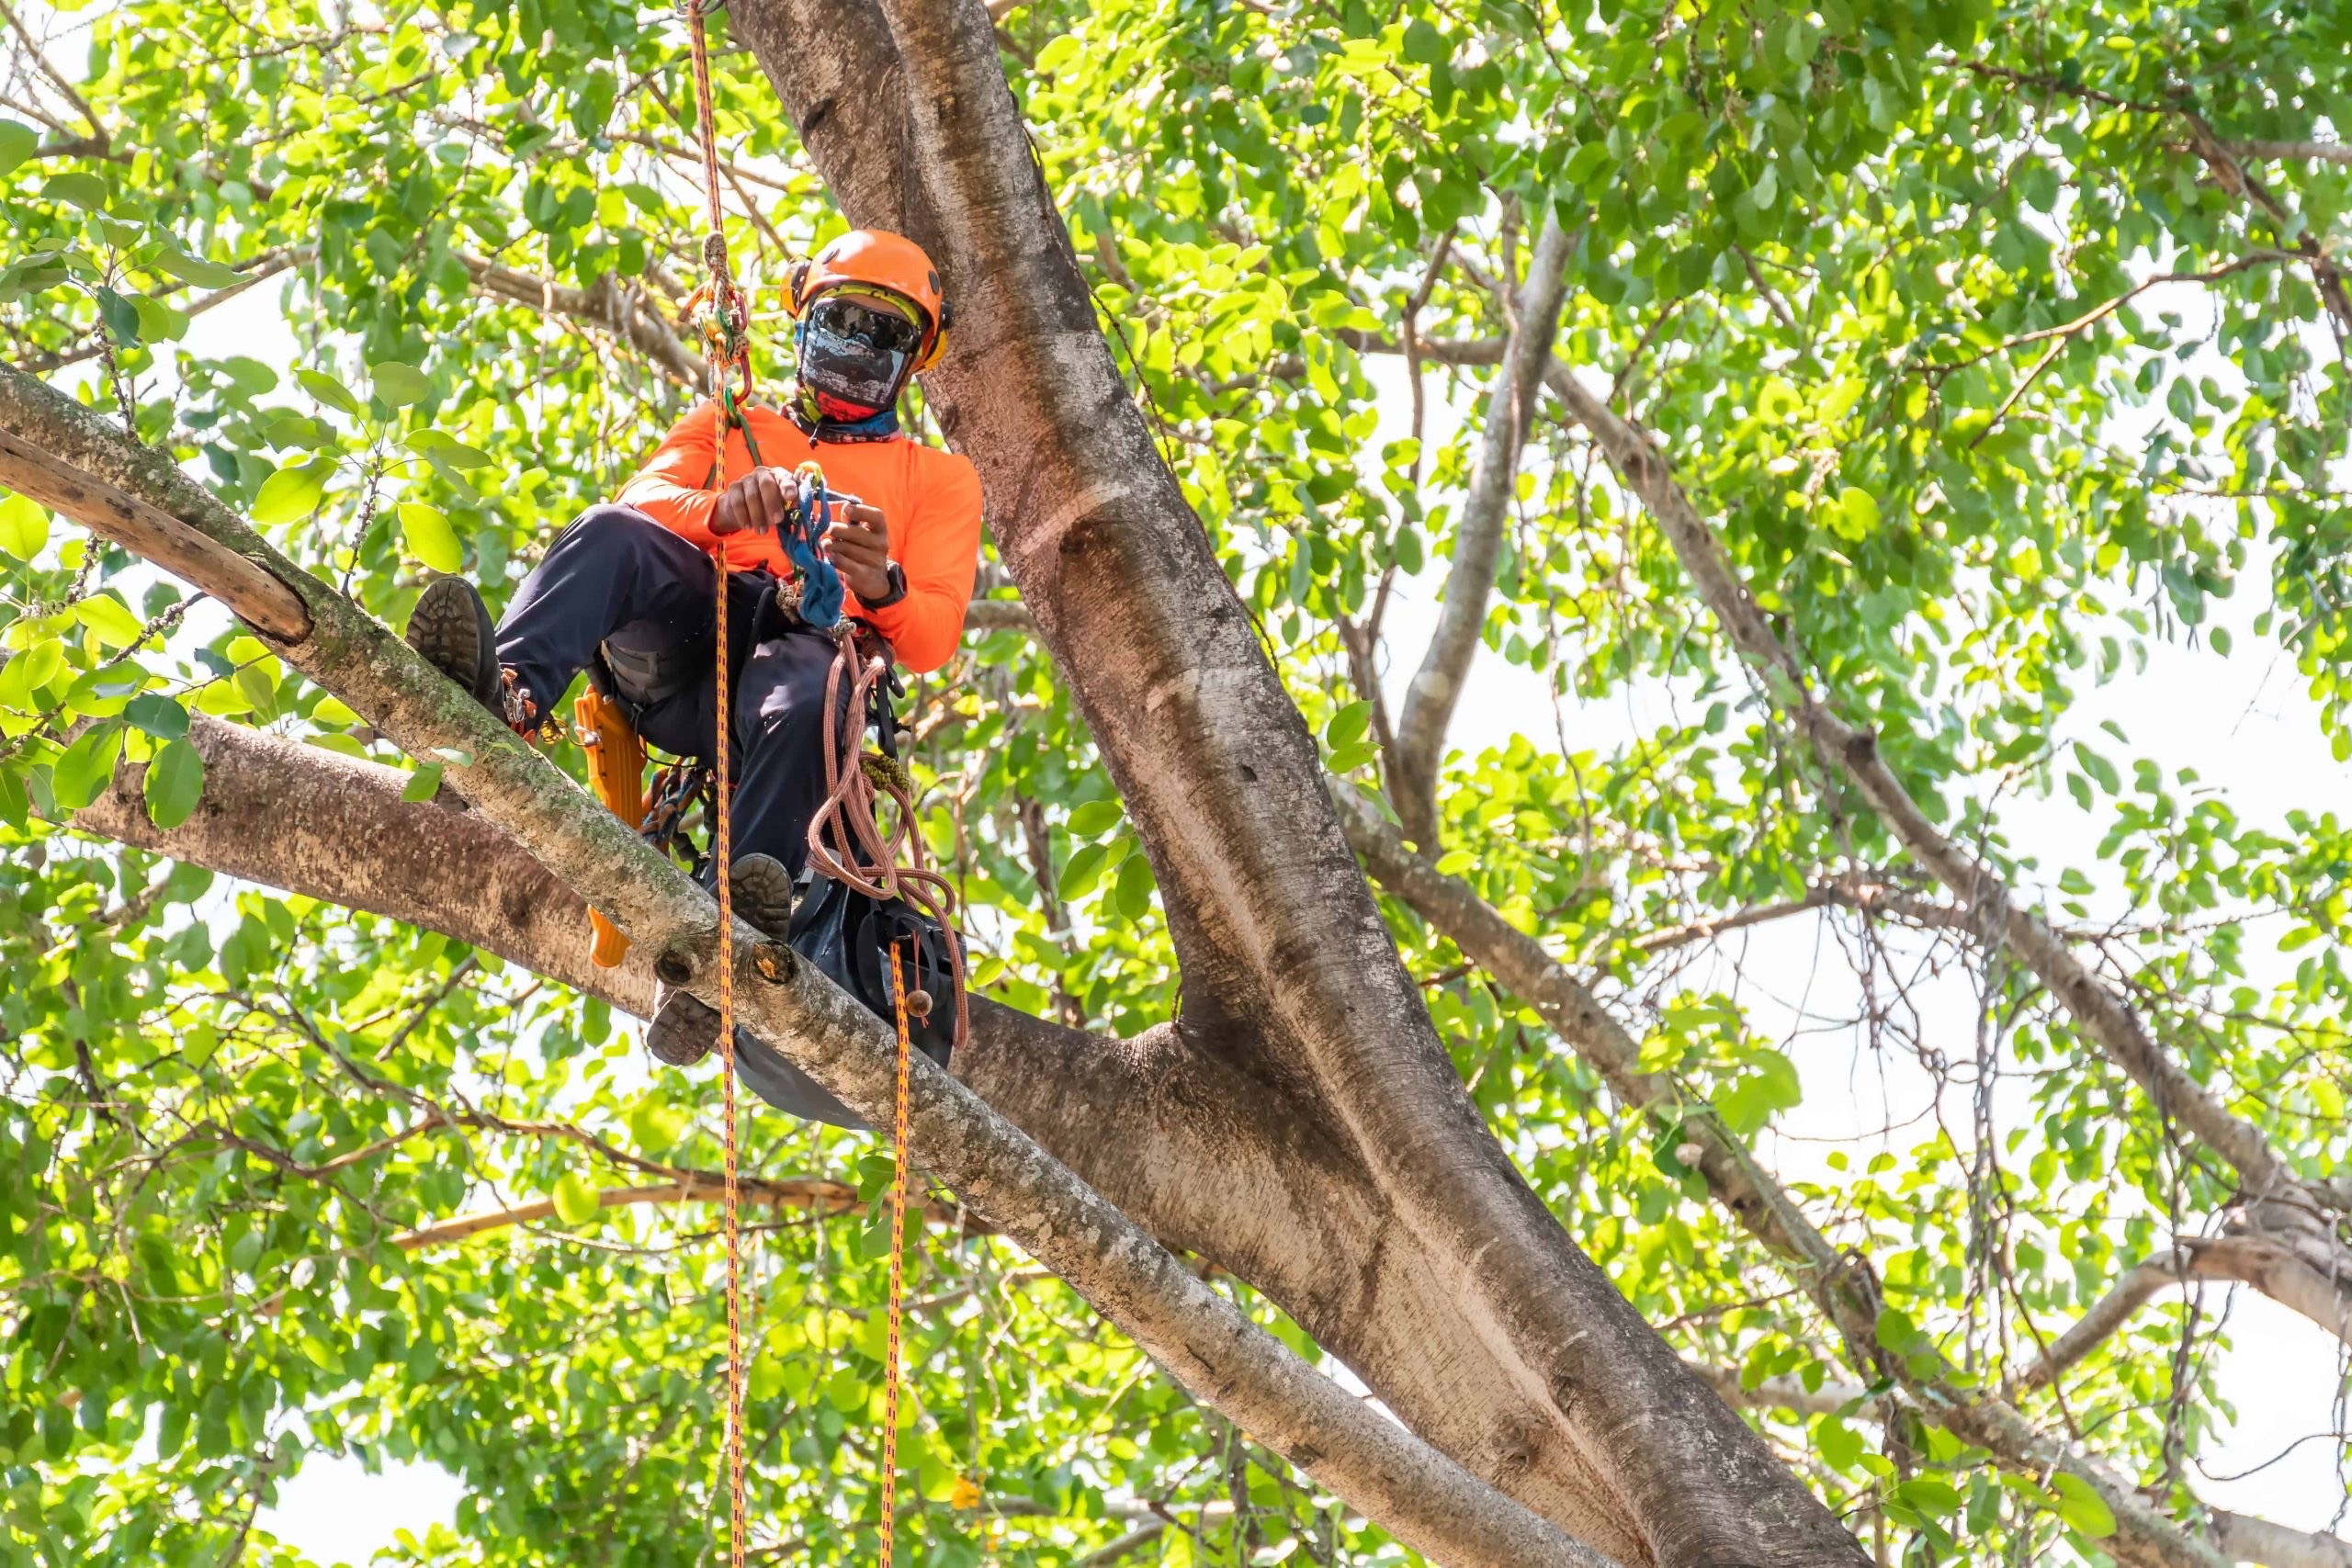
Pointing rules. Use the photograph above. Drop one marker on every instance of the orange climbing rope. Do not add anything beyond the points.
(872, 865)
(725, 348)
(897, 1266)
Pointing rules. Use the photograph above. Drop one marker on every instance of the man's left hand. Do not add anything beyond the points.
(859, 544)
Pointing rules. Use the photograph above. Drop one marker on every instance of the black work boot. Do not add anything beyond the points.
(451, 627)
(684, 1027)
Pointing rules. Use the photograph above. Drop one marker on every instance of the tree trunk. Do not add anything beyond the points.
(905, 110)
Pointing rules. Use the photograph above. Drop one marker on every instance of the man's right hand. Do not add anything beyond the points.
(761, 501)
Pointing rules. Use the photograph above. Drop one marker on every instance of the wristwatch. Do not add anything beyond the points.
(897, 589)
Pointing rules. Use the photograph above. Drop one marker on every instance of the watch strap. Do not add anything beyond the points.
(897, 589)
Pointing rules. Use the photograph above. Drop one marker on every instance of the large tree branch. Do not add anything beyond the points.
(238, 579)
(626, 312)
(2273, 1265)
(2247, 1539)
(2281, 1200)
(1842, 1286)
(1477, 539)
(1201, 1338)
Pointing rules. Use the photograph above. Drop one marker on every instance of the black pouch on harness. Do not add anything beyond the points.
(850, 938)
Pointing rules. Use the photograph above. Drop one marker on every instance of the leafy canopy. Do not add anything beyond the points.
(1878, 277)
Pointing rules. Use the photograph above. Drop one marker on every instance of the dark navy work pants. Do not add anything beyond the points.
(617, 574)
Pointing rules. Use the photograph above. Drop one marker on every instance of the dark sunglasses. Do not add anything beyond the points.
(865, 326)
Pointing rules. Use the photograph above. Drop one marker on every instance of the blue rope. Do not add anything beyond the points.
(821, 582)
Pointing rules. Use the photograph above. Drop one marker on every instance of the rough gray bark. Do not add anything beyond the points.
(1197, 1336)
(131, 521)
(1509, 414)
(2274, 1266)
(905, 111)
(2275, 1546)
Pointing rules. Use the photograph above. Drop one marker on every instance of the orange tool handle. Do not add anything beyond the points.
(616, 768)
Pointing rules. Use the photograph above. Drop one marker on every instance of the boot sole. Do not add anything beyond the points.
(762, 891)
(452, 630)
(684, 1031)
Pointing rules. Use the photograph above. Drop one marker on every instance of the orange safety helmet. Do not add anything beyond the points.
(878, 259)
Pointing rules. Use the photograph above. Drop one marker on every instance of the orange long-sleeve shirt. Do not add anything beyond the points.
(929, 501)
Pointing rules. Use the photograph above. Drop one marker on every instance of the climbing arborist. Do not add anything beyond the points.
(627, 590)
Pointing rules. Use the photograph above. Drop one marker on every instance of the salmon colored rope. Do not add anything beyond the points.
(728, 307)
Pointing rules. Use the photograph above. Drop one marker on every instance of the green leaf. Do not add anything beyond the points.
(575, 1201)
(259, 688)
(79, 188)
(31, 669)
(82, 775)
(2098, 767)
(399, 384)
(656, 1124)
(1929, 1495)
(426, 782)
(2081, 1507)
(1096, 817)
(119, 314)
(1132, 897)
(113, 625)
(1855, 516)
(444, 449)
(1084, 869)
(159, 716)
(24, 527)
(429, 537)
(174, 783)
(329, 390)
(1348, 726)
(16, 805)
(16, 144)
(292, 493)
(158, 323)
(1837, 1443)
(196, 269)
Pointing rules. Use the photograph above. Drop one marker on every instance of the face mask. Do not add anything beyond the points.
(854, 357)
